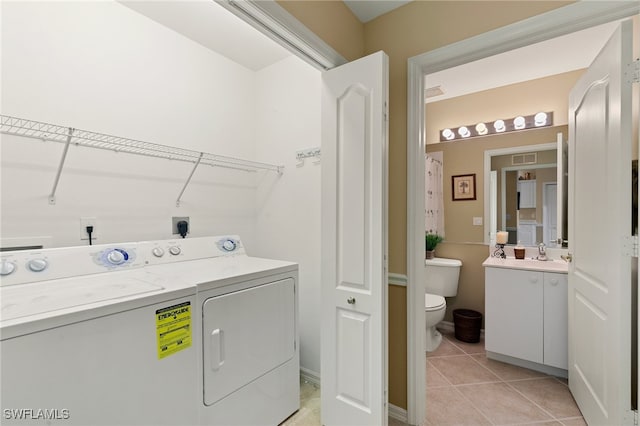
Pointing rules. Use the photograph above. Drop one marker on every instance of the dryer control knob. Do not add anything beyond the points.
(116, 257)
(37, 265)
(7, 267)
(158, 252)
(175, 250)
(229, 245)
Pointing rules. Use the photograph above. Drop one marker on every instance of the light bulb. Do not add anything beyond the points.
(448, 134)
(464, 132)
(540, 119)
(499, 126)
(481, 129)
(519, 122)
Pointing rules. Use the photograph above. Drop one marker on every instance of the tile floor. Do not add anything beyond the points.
(465, 388)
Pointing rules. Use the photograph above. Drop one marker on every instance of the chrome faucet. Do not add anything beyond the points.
(542, 253)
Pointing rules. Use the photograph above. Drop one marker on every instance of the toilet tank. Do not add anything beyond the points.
(441, 276)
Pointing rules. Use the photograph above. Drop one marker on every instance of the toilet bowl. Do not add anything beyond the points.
(434, 309)
(441, 277)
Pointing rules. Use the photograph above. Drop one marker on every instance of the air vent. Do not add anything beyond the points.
(520, 159)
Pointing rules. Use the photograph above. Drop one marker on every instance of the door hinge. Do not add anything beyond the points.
(633, 72)
(386, 112)
(630, 246)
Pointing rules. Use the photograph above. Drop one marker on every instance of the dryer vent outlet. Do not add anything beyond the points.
(174, 224)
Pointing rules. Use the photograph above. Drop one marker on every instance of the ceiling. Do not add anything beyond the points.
(212, 26)
(562, 54)
(367, 10)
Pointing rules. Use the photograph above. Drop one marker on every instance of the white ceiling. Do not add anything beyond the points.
(214, 27)
(566, 53)
(366, 10)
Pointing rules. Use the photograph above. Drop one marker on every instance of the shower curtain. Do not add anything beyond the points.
(434, 200)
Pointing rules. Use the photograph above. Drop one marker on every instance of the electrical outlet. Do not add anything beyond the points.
(88, 221)
(174, 224)
(477, 221)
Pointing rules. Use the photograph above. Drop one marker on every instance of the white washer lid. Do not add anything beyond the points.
(433, 301)
(441, 261)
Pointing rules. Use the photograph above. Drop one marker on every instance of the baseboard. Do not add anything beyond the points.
(310, 376)
(397, 279)
(449, 327)
(398, 413)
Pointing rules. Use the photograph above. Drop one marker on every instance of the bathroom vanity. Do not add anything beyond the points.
(526, 313)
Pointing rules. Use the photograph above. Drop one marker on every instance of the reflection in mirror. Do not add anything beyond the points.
(528, 196)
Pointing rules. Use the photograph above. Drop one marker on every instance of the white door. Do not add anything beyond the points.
(354, 243)
(599, 233)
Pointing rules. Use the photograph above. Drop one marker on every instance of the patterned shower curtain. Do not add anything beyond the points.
(434, 199)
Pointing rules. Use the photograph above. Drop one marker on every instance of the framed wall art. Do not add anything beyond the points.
(463, 187)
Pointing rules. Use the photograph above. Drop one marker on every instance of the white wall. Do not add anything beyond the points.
(100, 66)
(288, 219)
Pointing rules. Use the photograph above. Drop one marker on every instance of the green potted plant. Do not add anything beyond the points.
(431, 241)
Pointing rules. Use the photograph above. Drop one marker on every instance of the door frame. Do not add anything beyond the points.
(545, 209)
(574, 17)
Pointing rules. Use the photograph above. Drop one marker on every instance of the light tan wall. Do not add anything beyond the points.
(467, 157)
(410, 30)
(543, 94)
(415, 28)
(333, 22)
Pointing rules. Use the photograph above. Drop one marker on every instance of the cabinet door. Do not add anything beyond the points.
(513, 311)
(555, 320)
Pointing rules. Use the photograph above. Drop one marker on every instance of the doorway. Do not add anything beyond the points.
(563, 21)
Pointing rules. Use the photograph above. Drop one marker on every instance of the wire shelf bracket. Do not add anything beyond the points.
(51, 132)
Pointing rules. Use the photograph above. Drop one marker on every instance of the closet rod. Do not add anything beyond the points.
(51, 132)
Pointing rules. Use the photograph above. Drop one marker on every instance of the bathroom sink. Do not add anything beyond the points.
(549, 265)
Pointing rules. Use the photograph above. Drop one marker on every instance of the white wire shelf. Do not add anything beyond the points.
(69, 135)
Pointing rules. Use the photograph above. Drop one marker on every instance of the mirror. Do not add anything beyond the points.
(527, 194)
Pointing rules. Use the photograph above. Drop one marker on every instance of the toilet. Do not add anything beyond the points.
(441, 279)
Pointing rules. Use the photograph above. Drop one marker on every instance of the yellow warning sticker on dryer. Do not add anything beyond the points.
(173, 325)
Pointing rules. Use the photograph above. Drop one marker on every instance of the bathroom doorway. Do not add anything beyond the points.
(566, 20)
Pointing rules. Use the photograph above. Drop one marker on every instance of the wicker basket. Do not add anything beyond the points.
(467, 325)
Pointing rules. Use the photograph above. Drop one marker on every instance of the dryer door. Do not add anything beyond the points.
(246, 334)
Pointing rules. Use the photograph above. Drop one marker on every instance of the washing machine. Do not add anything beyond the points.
(89, 337)
(249, 365)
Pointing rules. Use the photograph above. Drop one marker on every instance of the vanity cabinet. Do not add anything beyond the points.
(526, 315)
(527, 190)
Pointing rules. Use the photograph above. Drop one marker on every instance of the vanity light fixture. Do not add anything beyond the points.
(521, 122)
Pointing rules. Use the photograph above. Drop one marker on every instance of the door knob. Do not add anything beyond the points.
(351, 300)
(567, 258)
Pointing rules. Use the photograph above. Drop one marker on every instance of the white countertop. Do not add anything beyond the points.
(558, 266)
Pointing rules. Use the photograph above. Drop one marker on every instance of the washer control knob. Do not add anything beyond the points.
(7, 267)
(116, 257)
(229, 245)
(37, 265)
(175, 250)
(158, 252)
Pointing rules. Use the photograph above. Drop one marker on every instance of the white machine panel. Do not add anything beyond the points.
(105, 371)
(246, 334)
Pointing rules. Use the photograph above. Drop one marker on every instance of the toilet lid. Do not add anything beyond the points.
(433, 301)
